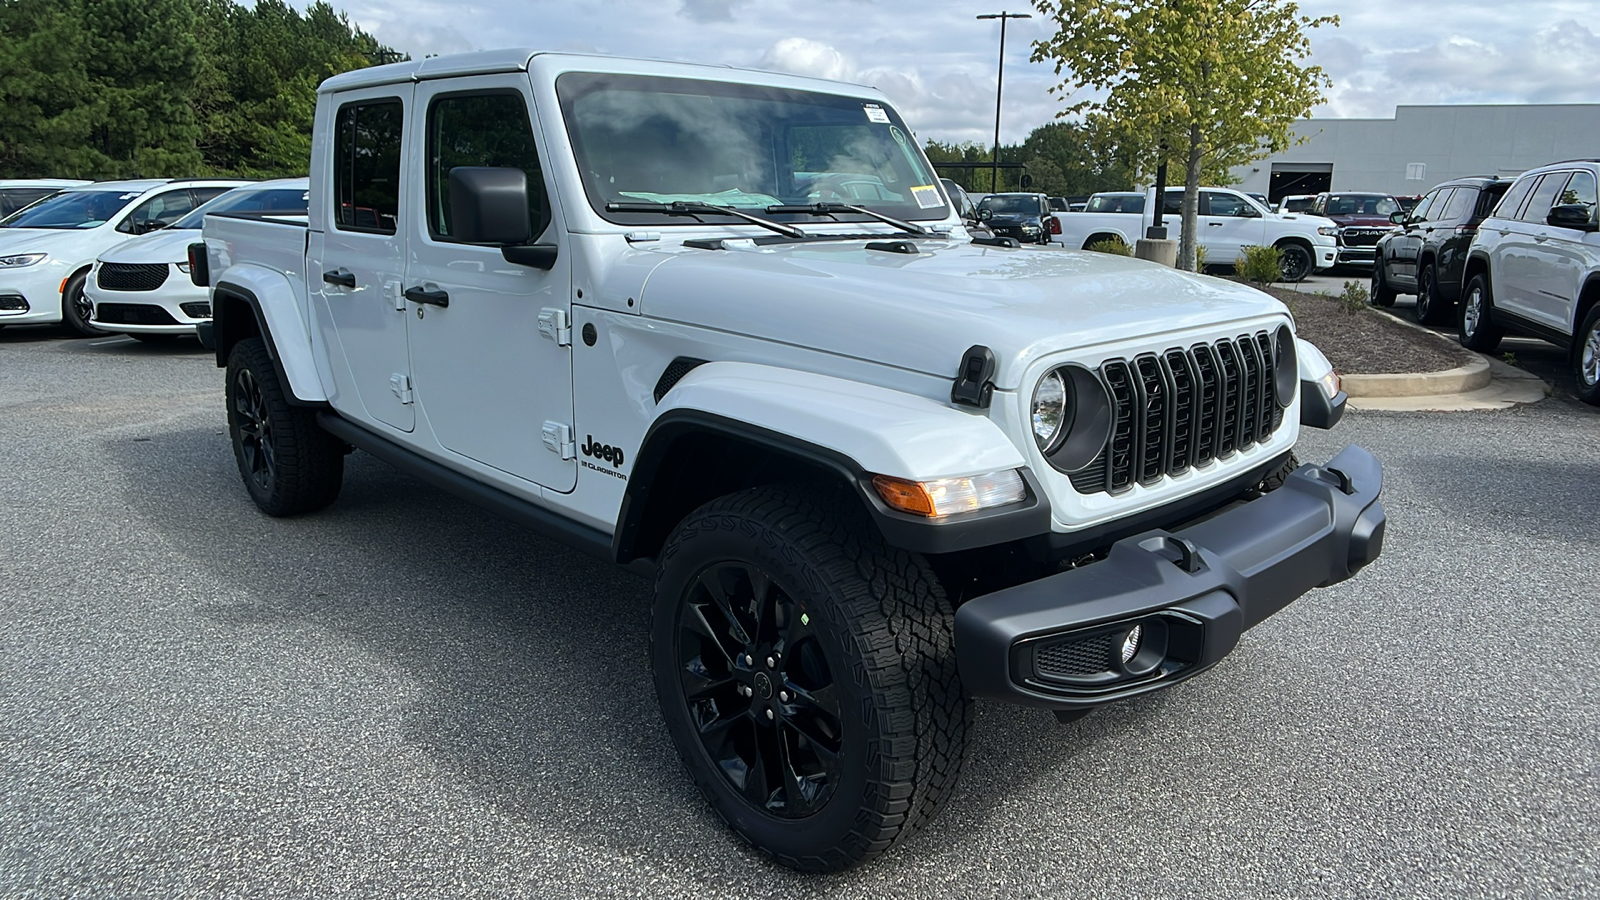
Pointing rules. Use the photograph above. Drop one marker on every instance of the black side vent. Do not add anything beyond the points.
(674, 373)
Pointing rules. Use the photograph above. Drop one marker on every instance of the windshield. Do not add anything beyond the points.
(1120, 203)
(1299, 204)
(1362, 205)
(74, 209)
(279, 201)
(1011, 206)
(651, 139)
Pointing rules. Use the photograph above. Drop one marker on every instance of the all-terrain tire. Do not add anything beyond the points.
(1382, 294)
(857, 627)
(1431, 308)
(1475, 324)
(288, 463)
(1586, 358)
(1278, 476)
(76, 311)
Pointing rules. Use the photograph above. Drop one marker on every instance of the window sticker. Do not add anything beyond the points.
(927, 196)
(875, 113)
(898, 135)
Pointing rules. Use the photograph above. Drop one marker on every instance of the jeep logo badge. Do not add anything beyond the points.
(610, 454)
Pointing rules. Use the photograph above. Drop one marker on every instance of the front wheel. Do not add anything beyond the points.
(1295, 262)
(807, 675)
(289, 464)
(1586, 356)
(1477, 330)
(77, 312)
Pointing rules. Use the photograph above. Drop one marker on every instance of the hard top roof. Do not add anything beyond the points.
(488, 62)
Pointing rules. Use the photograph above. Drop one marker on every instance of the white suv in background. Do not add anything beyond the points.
(47, 249)
(19, 193)
(142, 287)
(1534, 268)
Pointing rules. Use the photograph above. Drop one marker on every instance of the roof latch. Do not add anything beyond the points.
(974, 385)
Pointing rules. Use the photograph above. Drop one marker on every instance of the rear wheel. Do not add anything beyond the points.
(1477, 330)
(1295, 262)
(289, 464)
(807, 674)
(1431, 309)
(1586, 356)
(77, 312)
(1382, 293)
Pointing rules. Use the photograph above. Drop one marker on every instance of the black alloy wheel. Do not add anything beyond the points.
(288, 463)
(1431, 310)
(806, 672)
(1586, 357)
(760, 690)
(1295, 262)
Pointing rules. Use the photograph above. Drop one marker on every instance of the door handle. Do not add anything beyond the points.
(343, 277)
(1214, 224)
(421, 294)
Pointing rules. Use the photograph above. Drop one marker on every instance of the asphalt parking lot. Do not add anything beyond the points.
(402, 696)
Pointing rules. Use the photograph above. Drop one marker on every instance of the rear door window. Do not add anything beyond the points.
(366, 166)
(1513, 199)
(1543, 197)
(1487, 198)
(1459, 205)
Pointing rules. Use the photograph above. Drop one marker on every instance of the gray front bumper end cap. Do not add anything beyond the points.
(1068, 641)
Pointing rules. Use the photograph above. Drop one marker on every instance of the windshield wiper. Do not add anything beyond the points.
(834, 208)
(696, 207)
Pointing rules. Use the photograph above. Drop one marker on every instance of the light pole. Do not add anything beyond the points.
(999, 81)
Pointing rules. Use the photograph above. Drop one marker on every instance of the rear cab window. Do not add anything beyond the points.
(366, 165)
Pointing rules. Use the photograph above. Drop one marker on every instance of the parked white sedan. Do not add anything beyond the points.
(142, 287)
(46, 250)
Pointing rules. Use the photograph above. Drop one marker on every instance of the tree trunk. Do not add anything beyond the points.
(1189, 236)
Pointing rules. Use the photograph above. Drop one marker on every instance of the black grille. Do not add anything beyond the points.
(131, 276)
(132, 314)
(198, 309)
(13, 302)
(1089, 656)
(1183, 408)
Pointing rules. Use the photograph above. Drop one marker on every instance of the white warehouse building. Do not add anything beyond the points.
(1423, 146)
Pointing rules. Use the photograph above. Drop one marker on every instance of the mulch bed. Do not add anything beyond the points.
(1364, 342)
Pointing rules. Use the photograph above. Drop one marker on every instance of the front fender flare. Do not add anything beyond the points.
(851, 430)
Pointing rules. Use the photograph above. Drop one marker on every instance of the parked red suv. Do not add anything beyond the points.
(1362, 219)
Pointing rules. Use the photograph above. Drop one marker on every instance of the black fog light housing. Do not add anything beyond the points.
(1286, 366)
(1071, 417)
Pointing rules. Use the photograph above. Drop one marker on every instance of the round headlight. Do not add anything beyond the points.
(1049, 410)
(1286, 374)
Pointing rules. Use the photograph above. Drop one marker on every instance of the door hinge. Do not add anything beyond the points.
(401, 386)
(554, 324)
(397, 298)
(558, 437)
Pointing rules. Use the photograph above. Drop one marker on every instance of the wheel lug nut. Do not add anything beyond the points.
(744, 690)
(783, 696)
(770, 714)
(749, 660)
(772, 662)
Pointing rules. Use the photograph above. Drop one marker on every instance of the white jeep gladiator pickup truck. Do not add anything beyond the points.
(876, 467)
(1227, 222)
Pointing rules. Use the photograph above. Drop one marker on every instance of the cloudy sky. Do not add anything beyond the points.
(937, 63)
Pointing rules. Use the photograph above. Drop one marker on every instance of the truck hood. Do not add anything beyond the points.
(922, 311)
(165, 246)
(1362, 221)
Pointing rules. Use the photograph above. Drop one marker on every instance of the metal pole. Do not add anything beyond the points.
(999, 84)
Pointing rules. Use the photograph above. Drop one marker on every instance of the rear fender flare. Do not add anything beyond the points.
(275, 309)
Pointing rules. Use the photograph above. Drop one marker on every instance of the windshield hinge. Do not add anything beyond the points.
(554, 324)
(558, 438)
(637, 237)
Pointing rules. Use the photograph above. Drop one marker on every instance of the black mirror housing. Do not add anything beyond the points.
(489, 205)
(1399, 217)
(1574, 216)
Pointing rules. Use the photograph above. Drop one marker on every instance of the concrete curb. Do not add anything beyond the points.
(1483, 383)
(1460, 380)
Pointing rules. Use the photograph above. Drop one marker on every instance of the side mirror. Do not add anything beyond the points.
(984, 213)
(1399, 217)
(489, 206)
(1572, 216)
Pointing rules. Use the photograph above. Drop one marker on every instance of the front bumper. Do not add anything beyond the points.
(175, 307)
(33, 293)
(1357, 256)
(1057, 642)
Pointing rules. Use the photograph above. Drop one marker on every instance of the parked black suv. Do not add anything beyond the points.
(1427, 254)
(1025, 217)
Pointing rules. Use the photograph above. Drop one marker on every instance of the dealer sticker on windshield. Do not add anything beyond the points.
(875, 113)
(927, 196)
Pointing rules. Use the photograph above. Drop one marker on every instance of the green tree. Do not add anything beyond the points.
(1218, 82)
